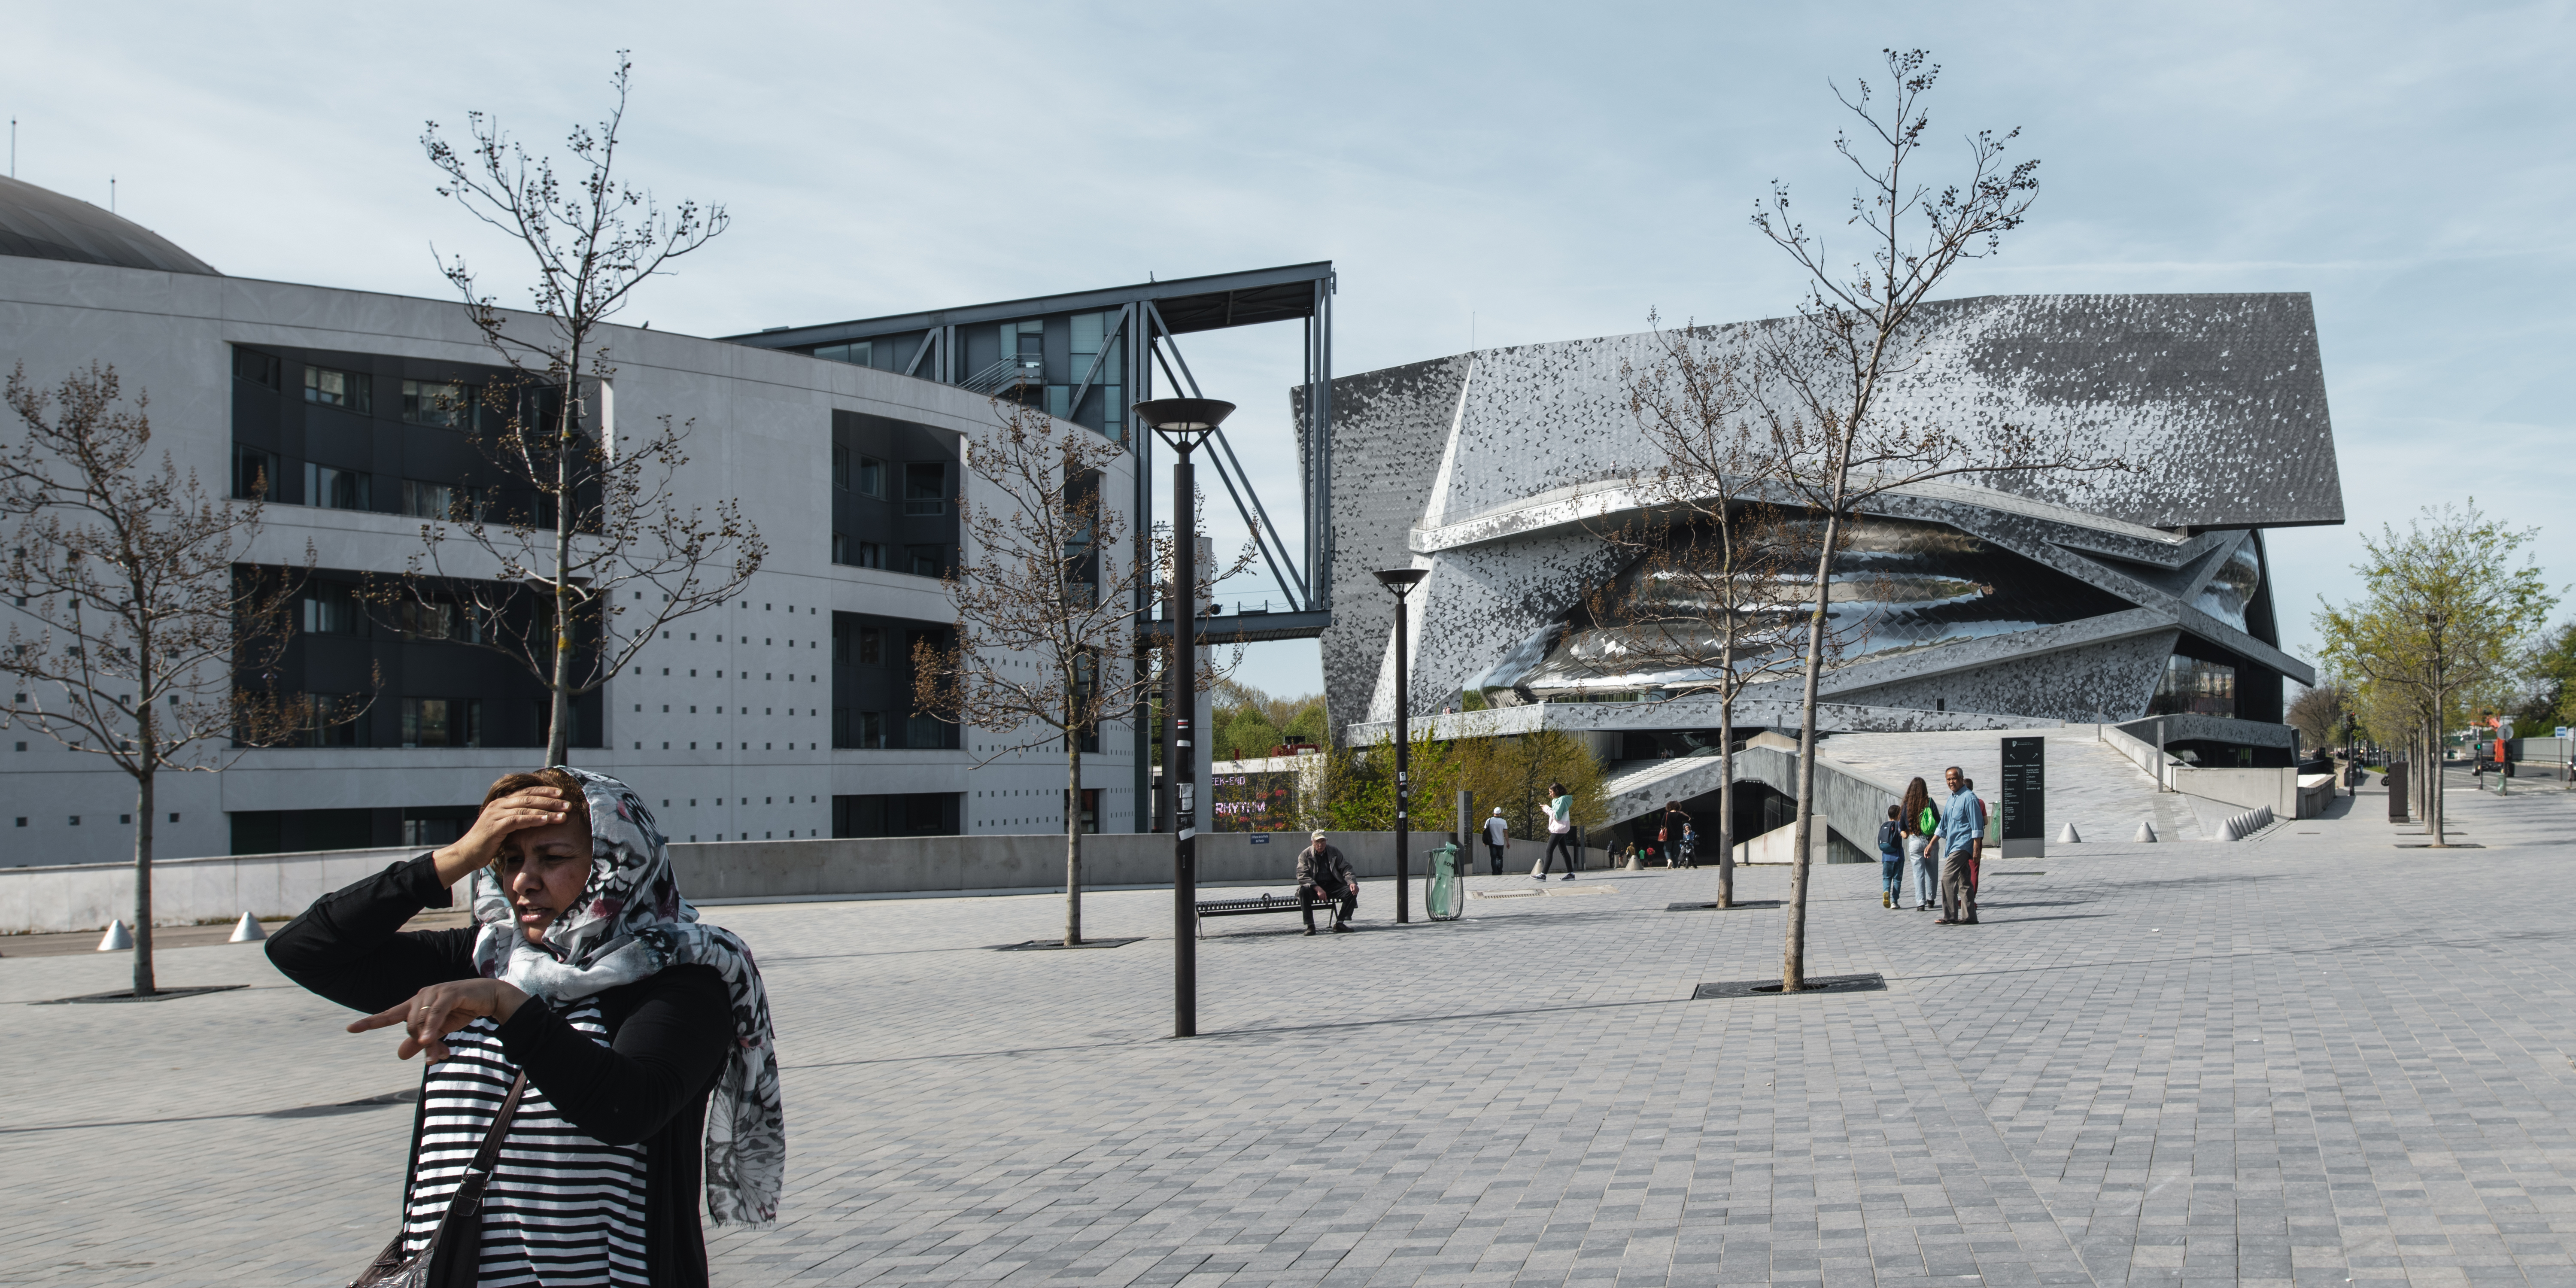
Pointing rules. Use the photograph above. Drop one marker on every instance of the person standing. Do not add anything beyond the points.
(1920, 823)
(1668, 836)
(1560, 833)
(1891, 858)
(1498, 839)
(1962, 832)
(1324, 876)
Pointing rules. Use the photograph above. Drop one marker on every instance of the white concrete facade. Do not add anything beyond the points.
(762, 434)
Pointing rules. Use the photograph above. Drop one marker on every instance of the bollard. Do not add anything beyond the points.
(116, 940)
(248, 931)
(2146, 831)
(2066, 836)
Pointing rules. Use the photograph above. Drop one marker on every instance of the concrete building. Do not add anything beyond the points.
(2001, 602)
(784, 714)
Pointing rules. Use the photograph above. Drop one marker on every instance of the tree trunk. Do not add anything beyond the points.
(143, 803)
(1726, 797)
(1072, 838)
(1793, 949)
(559, 685)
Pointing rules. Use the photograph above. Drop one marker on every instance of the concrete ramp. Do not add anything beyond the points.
(2090, 785)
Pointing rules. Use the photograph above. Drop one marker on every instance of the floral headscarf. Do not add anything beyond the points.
(630, 924)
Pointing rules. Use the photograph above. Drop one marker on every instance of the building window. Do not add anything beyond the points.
(858, 353)
(451, 501)
(2194, 687)
(442, 722)
(871, 646)
(871, 477)
(258, 368)
(325, 724)
(336, 489)
(346, 390)
(254, 473)
(925, 488)
(840, 467)
(330, 610)
(445, 405)
(928, 561)
(438, 620)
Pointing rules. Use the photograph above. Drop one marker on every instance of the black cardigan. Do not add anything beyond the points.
(669, 1037)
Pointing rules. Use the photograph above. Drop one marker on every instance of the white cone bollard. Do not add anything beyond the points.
(2146, 831)
(2066, 836)
(248, 931)
(116, 940)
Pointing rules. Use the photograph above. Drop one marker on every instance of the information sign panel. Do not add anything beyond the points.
(2025, 798)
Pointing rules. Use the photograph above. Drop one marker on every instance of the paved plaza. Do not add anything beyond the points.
(2313, 1057)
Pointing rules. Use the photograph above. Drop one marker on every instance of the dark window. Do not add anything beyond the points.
(871, 480)
(871, 645)
(431, 825)
(256, 367)
(451, 501)
(330, 610)
(927, 561)
(255, 473)
(336, 489)
(442, 722)
(2194, 687)
(430, 402)
(840, 467)
(439, 620)
(904, 814)
(347, 390)
(327, 721)
(925, 488)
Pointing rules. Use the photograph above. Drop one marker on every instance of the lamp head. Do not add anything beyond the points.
(1183, 422)
(1402, 580)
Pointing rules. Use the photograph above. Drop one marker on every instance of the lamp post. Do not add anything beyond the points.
(1402, 581)
(1184, 423)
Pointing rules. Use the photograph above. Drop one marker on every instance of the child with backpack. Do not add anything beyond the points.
(1891, 858)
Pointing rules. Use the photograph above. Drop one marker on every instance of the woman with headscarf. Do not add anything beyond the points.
(586, 971)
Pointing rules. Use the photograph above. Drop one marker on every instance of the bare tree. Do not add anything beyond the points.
(1710, 601)
(573, 582)
(145, 623)
(1047, 637)
(1828, 371)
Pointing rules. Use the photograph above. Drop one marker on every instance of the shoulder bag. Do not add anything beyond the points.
(453, 1256)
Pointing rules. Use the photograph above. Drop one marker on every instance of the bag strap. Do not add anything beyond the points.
(489, 1156)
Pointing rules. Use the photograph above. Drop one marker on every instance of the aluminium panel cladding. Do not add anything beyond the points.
(761, 434)
(2217, 402)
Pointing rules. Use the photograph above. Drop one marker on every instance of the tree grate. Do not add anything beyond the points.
(1041, 945)
(127, 995)
(1870, 983)
(1739, 905)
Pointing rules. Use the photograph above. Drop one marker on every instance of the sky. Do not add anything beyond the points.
(1500, 173)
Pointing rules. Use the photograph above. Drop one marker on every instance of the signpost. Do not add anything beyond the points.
(2025, 798)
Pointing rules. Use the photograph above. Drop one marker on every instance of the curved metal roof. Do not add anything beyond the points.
(39, 223)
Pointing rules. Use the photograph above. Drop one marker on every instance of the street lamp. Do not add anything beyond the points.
(1184, 423)
(1402, 581)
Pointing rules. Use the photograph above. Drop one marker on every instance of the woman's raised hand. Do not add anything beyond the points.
(525, 808)
(441, 1009)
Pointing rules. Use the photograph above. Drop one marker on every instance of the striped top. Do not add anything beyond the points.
(562, 1208)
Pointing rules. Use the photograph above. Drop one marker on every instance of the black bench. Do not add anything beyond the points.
(1253, 907)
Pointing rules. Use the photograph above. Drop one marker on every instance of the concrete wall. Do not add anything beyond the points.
(188, 891)
(2246, 788)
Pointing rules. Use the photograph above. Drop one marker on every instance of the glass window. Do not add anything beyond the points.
(255, 367)
(254, 473)
(872, 729)
(840, 467)
(871, 555)
(330, 610)
(426, 500)
(2193, 687)
(429, 402)
(336, 489)
(442, 722)
(927, 561)
(439, 621)
(871, 645)
(2232, 588)
(925, 733)
(840, 548)
(327, 723)
(858, 353)
(347, 390)
(925, 487)
(871, 481)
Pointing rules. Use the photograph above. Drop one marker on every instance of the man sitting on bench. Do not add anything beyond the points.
(1323, 875)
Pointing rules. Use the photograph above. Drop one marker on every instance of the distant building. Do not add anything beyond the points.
(1989, 603)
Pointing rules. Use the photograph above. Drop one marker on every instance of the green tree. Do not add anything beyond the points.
(1309, 725)
(2550, 674)
(2447, 610)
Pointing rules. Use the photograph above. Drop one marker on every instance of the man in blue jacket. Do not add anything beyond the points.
(1961, 832)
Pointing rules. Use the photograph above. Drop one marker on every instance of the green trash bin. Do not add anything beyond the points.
(1444, 896)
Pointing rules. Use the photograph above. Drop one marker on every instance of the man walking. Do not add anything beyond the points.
(1962, 832)
(1324, 876)
(1498, 838)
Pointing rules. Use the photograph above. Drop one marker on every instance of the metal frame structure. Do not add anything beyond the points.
(1150, 317)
